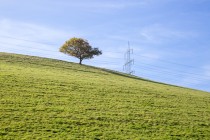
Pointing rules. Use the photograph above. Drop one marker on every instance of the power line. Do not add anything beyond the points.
(107, 62)
(171, 74)
(162, 60)
(174, 81)
(166, 70)
(169, 62)
(161, 78)
(163, 71)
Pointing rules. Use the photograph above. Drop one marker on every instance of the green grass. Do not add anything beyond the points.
(49, 99)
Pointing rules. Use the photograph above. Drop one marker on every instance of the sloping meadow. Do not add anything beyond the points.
(50, 99)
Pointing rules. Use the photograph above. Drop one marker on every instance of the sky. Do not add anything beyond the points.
(170, 39)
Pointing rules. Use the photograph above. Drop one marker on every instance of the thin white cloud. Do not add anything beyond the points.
(152, 56)
(108, 4)
(32, 39)
(112, 55)
(29, 31)
(159, 34)
(206, 71)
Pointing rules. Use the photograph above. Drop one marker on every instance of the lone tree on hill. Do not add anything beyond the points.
(79, 48)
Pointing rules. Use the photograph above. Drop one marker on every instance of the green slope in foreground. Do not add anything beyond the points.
(49, 99)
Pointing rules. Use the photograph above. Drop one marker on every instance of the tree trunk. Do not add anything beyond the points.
(80, 61)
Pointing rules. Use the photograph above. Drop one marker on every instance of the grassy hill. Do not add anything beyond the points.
(50, 99)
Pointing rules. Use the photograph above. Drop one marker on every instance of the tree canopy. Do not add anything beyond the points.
(80, 49)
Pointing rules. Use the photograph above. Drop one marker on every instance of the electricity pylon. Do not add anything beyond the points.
(128, 61)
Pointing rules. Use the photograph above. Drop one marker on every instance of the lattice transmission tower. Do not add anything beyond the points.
(128, 61)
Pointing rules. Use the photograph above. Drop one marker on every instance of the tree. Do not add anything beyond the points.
(80, 49)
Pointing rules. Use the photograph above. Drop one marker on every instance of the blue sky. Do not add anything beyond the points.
(170, 38)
